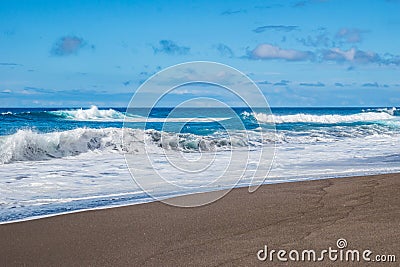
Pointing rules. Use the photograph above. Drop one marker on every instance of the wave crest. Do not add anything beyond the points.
(322, 119)
(27, 145)
(94, 113)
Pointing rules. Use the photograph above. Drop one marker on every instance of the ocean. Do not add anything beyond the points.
(55, 161)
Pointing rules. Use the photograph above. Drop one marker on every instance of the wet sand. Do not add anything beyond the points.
(302, 215)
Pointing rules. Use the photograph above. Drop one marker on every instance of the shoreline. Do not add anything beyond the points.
(307, 214)
(292, 180)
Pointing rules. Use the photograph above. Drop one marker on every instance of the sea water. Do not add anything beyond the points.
(55, 161)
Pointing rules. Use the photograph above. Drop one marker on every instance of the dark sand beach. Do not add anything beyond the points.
(302, 215)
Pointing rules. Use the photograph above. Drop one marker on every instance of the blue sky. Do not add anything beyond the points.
(300, 53)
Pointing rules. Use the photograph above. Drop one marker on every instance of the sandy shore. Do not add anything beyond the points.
(303, 215)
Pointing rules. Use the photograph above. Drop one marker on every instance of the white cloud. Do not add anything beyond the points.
(190, 91)
(351, 55)
(267, 51)
(350, 35)
(336, 53)
(67, 45)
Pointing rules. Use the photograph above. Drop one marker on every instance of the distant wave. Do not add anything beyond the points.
(94, 113)
(392, 111)
(99, 115)
(322, 119)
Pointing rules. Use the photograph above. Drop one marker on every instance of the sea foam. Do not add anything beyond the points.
(94, 113)
(27, 145)
(322, 119)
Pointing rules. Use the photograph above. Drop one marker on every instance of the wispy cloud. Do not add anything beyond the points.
(282, 83)
(171, 48)
(67, 45)
(233, 12)
(317, 84)
(268, 51)
(191, 91)
(264, 82)
(35, 91)
(391, 59)
(356, 56)
(300, 3)
(351, 55)
(306, 2)
(144, 74)
(224, 50)
(8, 33)
(268, 6)
(375, 84)
(320, 39)
(282, 28)
(9, 64)
(350, 35)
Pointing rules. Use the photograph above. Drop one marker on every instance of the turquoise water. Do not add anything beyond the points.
(62, 160)
(42, 120)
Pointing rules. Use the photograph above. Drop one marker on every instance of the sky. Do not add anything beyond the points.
(299, 53)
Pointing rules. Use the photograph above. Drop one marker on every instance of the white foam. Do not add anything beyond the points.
(324, 119)
(390, 111)
(163, 120)
(111, 115)
(38, 189)
(90, 114)
(27, 145)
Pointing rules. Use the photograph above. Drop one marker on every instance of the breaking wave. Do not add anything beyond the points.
(27, 145)
(321, 119)
(91, 114)
(94, 113)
